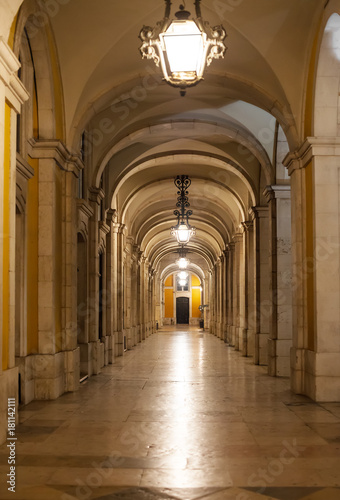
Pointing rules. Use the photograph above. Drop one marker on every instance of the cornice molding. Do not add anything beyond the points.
(16, 93)
(50, 149)
(277, 191)
(258, 212)
(312, 146)
(85, 208)
(104, 228)
(24, 168)
(96, 195)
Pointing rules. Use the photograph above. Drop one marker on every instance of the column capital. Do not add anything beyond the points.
(282, 191)
(53, 149)
(258, 212)
(96, 195)
(16, 93)
(247, 225)
(230, 247)
(237, 237)
(111, 216)
(85, 208)
(312, 146)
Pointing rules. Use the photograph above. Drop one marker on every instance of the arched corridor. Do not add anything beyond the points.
(102, 162)
(179, 417)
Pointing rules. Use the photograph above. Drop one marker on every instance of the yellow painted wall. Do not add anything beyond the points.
(169, 303)
(310, 86)
(58, 91)
(32, 259)
(196, 302)
(310, 255)
(169, 281)
(6, 246)
(195, 281)
(32, 245)
(12, 32)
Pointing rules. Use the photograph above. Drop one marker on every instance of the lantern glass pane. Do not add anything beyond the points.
(184, 46)
(183, 234)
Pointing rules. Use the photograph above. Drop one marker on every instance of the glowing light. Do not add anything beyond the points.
(182, 263)
(183, 275)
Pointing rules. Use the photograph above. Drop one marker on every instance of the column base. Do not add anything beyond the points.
(279, 357)
(25, 367)
(98, 356)
(119, 336)
(112, 349)
(316, 375)
(250, 343)
(49, 375)
(261, 349)
(243, 336)
(9, 383)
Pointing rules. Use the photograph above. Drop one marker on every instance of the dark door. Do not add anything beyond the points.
(182, 310)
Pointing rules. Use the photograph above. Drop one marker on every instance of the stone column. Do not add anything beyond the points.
(220, 297)
(12, 90)
(280, 333)
(239, 290)
(95, 197)
(134, 295)
(230, 302)
(263, 303)
(56, 368)
(120, 290)
(114, 277)
(315, 174)
(250, 307)
(142, 297)
(213, 302)
(128, 279)
(224, 295)
(69, 295)
(111, 259)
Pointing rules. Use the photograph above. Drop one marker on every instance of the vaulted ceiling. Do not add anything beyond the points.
(221, 133)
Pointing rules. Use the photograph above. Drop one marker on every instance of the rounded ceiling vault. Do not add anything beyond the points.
(141, 134)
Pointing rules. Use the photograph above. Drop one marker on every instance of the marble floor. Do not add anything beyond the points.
(181, 416)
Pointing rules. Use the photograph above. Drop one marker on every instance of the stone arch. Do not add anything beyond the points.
(34, 39)
(327, 83)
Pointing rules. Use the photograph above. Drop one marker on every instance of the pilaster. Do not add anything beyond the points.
(280, 327)
(315, 175)
(260, 322)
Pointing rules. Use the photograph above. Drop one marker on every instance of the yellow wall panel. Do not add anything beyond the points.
(196, 302)
(195, 281)
(12, 32)
(309, 106)
(32, 245)
(169, 303)
(32, 259)
(58, 91)
(6, 246)
(169, 281)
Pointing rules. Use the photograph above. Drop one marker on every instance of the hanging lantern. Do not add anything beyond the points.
(182, 263)
(183, 230)
(183, 47)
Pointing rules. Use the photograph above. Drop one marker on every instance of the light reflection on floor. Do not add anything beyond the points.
(181, 416)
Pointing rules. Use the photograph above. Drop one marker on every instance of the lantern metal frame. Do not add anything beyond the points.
(154, 47)
(182, 182)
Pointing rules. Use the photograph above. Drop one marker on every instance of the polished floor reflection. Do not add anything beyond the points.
(181, 416)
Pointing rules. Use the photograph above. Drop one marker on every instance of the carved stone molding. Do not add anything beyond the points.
(55, 150)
